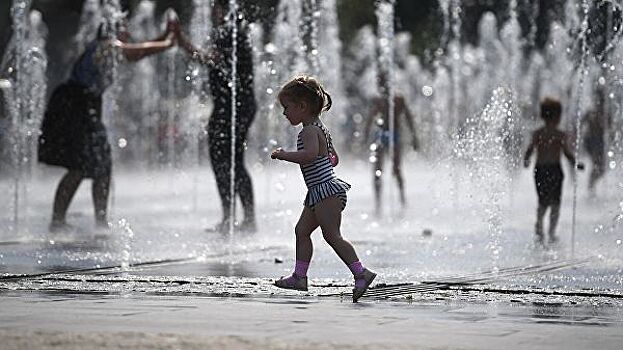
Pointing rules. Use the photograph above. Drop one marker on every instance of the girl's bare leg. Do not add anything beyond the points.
(329, 217)
(304, 227)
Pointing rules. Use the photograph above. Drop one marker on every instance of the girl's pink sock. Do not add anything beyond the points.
(300, 271)
(300, 268)
(357, 269)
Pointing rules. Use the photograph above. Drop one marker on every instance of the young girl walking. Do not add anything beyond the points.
(303, 100)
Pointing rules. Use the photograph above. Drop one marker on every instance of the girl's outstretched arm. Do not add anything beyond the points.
(306, 155)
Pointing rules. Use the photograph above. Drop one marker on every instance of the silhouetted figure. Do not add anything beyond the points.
(72, 133)
(595, 123)
(383, 138)
(219, 63)
(549, 143)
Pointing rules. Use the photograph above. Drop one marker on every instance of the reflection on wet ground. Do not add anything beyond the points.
(217, 278)
(489, 311)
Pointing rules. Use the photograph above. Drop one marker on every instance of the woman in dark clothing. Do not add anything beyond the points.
(72, 133)
(219, 64)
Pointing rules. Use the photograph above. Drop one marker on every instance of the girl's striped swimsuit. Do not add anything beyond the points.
(319, 176)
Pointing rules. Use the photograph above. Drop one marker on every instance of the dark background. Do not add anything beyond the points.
(422, 18)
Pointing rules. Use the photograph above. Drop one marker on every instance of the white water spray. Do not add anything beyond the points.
(385, 18)
(233, 18)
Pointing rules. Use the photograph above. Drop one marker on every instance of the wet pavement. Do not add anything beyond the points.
(296, 321)
(149, 301)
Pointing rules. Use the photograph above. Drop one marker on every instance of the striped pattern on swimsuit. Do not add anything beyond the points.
(319, 176)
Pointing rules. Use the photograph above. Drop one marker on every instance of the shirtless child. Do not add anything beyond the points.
(549, 142)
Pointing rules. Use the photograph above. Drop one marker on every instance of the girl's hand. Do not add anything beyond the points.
(276, 153)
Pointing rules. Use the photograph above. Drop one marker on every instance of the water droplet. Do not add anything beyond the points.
(270, 48)
(378, 173)
(269, 91)
(427, 90)
(5, 84)
(619, 242)
(122, 142)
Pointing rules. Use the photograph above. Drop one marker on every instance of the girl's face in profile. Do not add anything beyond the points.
(292, 110)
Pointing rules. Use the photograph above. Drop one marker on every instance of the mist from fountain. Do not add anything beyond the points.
(24, 91)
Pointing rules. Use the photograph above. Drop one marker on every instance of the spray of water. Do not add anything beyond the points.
(385, 18)
(127, 242)
(483, 149)
(20, 96)
(233, 18)
(310, 28)
(110, 107)
(582, 72)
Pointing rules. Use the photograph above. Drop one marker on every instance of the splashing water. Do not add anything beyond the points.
(578, 117)
(233, 18)
(127, 242)
(385, 18)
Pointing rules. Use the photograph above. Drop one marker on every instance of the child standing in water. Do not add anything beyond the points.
(549, 142)
(303, 100)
